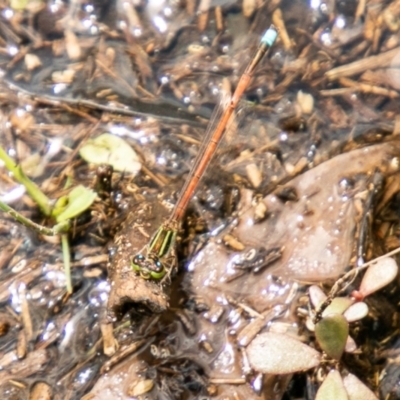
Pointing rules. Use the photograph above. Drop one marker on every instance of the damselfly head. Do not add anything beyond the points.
(148, 267)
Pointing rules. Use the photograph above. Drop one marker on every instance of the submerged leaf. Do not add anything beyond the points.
(378, 275)
(79, 200)
(356, 390)
(275, 353)
(112, 150)
(332, 388)
(32, 165)
(331, 333)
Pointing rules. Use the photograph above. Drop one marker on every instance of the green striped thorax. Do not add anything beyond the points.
(149, 264)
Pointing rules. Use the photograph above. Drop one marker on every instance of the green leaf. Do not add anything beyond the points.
(79, 200)
(59, 206)
(18, 5)
(332, 388)
(331, 333)
(338, 306)
(112, 150)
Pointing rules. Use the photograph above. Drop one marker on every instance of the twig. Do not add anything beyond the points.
(278, 21)
(379, 61)
(367, 88)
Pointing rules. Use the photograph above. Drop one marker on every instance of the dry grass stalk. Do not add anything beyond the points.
(381, 60)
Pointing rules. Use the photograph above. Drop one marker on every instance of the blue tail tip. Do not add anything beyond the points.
(269, 36)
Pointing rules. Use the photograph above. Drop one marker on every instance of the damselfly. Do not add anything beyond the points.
(151, 263)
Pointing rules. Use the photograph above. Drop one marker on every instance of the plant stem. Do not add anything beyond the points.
(67, 261)
(37, 195)
(59, 228)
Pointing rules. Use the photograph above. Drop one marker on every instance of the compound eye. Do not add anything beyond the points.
(159, 266)
(136, 262)
(158, 270)
(138, 259)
